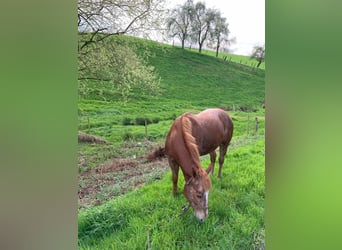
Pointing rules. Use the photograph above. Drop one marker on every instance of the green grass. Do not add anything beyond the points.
(190, 82)
(150, 215)
(240, 59)
(235, 219)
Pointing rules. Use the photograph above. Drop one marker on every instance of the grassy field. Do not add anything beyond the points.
(151, 216)
(126, 202)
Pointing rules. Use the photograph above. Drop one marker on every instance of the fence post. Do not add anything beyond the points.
(88, 124)
(256, 125)
(248, 125)
(145, 128)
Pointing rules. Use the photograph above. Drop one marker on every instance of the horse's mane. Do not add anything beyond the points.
(189, 140)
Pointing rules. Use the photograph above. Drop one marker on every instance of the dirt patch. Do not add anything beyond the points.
(82, 137)
(115, 177)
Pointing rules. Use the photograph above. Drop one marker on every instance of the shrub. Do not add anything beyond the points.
(155, 120)
(127, 121)
(141, 121)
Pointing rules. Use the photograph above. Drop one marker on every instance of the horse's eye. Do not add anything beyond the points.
(199, 196)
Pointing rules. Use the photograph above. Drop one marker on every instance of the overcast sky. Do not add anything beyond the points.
(246, 19)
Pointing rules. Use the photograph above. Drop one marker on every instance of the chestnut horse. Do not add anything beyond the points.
(189, 137)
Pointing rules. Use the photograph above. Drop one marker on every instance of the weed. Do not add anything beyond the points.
(127, 136)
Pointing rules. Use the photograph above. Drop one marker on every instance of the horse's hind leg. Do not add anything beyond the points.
(175, 169)
(223, 151)
(211, 166)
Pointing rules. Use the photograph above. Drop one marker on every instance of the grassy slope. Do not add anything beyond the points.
(190, 82)
(240, 59)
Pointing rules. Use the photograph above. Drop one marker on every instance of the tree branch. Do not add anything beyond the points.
(91, 40)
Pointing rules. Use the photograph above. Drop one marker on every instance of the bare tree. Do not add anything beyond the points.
(104, 18)
(101, 59)
(201, 24)
(219, 32)
(258, 54)
(178, 24)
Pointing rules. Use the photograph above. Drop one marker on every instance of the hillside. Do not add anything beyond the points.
(189, 81)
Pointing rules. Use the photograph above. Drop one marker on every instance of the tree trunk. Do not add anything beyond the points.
(199, 47)
(259, 64)
(217, 47)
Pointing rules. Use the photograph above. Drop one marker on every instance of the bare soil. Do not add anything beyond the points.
(115, 177)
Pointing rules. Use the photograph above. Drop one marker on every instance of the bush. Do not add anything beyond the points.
(155, 120)
(127, 121)
(141, 121)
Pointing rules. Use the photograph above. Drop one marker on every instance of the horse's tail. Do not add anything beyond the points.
(156, 154)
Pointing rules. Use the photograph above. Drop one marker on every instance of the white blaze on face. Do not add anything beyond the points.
(206, 194)
(202, 212)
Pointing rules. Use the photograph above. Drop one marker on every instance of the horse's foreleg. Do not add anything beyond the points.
(223, 151)
(175, 169)
(211, 166)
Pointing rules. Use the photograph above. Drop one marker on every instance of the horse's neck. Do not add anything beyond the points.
(190, 153)
(183, 157)
(190, 174)
(188, 164)
(177, 149)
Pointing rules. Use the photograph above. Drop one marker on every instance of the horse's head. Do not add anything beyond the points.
(196, 190)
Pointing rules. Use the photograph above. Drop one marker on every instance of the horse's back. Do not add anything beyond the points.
(215, 120)
(213, 127)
